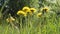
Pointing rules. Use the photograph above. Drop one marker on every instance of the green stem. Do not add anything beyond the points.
(3, 7)
(20, 24)
(7, 29)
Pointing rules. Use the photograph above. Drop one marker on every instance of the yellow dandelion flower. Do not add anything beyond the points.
(11, 19)
(29, 13)
(39, 14)
(46, 9)
(21, 13)
(25, 9)
(32, 10)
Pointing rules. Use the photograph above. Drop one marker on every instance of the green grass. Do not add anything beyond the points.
(48, 23)
(36, 26)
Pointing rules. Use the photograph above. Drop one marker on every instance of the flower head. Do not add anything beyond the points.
(39, 14)
(45, 9)
(11, 19)
(29, 13)
(32, 10)
(25, 9)
(21, 13)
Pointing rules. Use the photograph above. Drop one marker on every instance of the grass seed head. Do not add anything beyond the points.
(10, 19)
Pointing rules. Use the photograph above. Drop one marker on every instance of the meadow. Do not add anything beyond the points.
(44, 20)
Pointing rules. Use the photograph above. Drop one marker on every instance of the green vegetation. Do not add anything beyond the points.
(34, 17)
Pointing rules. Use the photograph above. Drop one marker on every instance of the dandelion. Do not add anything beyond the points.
(45, 9)
(29, 12)
(32, 10)
(25, 9)
(21, 13)
(11, 19)
(39, 14)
